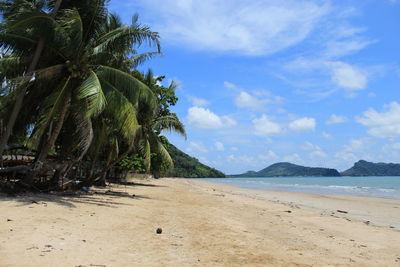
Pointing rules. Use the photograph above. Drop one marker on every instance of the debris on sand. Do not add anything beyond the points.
(342, 211)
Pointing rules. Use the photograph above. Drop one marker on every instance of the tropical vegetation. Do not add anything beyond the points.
(72, 98)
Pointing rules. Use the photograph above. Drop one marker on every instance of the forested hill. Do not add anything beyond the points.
(289, 169)
(365, 168)
(189, 167)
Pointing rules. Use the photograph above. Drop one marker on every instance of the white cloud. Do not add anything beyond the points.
(347, 76)
(205, 161)
(199, 102)
(356, 145)
(310, 146)
(356, 149)
(385, 124)
(303, 125)
(257, 100)
(196, 147)
(219, 146)
(243, 159)
(245, 100)
(294, 158)
(318, 154)
(343, 48)
(343, 75)
(327, 136)
(265, 127)
(234, 148)
(347, 31)
(315, 151)
(230, 85)
(205, 119)
(395, 146)
(346, 156)
(270, 156)
(253, 27)
(334, 119)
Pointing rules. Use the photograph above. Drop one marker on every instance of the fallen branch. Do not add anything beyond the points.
(15, 169)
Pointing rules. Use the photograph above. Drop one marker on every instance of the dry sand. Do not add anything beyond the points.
(203, 224)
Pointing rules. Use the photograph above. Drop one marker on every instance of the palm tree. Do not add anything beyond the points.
(18, 13)
(83, 75)
(154, 121)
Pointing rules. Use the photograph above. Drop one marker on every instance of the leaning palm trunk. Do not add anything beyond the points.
(20, 98)
(44, 151)
(111, 164)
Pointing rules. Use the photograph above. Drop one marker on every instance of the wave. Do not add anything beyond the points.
(310, 186)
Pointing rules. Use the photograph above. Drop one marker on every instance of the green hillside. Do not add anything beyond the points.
(189, 167)
(365, 168)
(289, 169)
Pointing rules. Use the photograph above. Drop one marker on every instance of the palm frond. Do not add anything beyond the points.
(50, 113)
(169, 123)
(145, 151)
(133, 89)
(142, 58)
(128, 36)
(91, 92)
(9, 67)
(71, 23)
(122, 112)
(166, 157)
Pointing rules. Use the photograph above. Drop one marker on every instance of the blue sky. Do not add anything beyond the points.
(261, 81)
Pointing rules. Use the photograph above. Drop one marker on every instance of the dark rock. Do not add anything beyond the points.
(342, 211)
(159, 231)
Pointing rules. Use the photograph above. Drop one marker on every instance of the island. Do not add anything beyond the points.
(365, 168)
(289, 169)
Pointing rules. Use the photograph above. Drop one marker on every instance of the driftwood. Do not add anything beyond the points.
(15, 169)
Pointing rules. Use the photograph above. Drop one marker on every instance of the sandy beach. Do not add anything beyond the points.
(203, 224)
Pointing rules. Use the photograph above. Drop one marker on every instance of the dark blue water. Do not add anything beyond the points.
(373, 186)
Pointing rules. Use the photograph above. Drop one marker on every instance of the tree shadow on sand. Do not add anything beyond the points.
(106, 197)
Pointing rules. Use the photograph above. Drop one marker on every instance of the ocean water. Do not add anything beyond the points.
(372, 186)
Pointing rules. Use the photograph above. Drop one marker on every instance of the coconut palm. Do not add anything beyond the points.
(87, 50)
(19, 15)
(154, 121)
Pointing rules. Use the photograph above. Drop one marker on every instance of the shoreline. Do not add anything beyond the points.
(203, 224)
(324, 188)
(351, 207)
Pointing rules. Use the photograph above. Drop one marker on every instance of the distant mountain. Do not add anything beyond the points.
(189, 167)
(365, 168)
(289, 169)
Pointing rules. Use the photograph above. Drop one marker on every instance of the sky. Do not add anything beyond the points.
(310, 82)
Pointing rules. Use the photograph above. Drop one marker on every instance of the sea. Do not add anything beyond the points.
(370, 186)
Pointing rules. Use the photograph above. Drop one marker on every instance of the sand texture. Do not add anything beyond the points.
(203, 224)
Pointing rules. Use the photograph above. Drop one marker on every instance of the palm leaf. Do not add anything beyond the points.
(169, 123)
(133, 89)
(50, 113)
(122, 112)
(91, 92)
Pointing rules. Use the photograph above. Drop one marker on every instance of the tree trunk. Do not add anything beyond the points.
(56, 131)
(99, 175)
(20, 98)
(44, 151)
